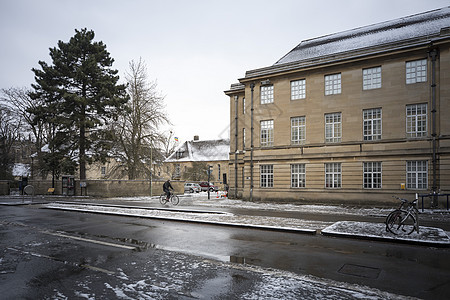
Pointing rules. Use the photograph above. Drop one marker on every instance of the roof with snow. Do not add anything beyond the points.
(420, 28)
(212, 150)
(20, 170)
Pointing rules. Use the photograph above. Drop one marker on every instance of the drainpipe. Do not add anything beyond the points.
(433, 53)
(236, 146)
(252, 87)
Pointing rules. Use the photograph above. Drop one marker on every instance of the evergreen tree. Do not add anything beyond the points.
(81, 96)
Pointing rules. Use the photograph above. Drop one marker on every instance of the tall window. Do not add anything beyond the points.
(243, 177)
(298, 176)
(416, 71)
(298, 89)
(298, 130)
(266, 172)
(333, 175)
(266, 133)
(177, 170)
(243, 105)
(417, 174)
(266, 94)
(372, 175)
(333, 84)
(218, 172)
(243, 138)
(103, 171)
(372, 78)
(333, 128)
(416, 120)
(372, 124)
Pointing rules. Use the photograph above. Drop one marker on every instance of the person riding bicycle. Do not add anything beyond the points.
(166, 188)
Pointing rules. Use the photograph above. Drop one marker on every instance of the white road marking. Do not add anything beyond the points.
(90, 240)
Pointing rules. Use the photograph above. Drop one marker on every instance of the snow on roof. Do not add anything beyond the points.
(425, 25)
(21, 170)
(212, 150)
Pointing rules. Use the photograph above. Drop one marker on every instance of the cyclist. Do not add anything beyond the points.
(166, 188)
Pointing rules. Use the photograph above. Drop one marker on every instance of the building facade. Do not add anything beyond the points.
(196, 155)
(352, 117)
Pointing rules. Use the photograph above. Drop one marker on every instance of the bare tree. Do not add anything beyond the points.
(19, 101)
(137, 129)
(10, 124)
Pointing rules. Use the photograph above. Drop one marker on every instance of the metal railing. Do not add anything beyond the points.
(434, 196)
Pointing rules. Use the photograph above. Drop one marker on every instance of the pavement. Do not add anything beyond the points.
(334, 221)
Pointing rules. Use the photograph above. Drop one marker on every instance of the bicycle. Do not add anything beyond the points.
(163, 199)
(405, 219)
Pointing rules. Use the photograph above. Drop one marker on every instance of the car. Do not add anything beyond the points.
(212, 187)
(192, 187)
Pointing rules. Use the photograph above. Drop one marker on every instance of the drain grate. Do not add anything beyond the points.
(360, 271)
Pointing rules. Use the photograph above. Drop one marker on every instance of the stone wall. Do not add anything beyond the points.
(101, 188)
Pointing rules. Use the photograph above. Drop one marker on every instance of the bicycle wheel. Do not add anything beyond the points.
(174, 199)
(400, 222)
(163, 199)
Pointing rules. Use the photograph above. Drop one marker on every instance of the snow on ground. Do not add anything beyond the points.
(156, 279)
(378, 231)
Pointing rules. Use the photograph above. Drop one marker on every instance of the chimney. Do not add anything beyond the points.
(196, 138)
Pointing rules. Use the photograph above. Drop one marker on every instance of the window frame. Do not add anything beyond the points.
(372, 175)
(299, 130)
(298, 89)
(371, 78)
(334, 128)
(333, 175)
(266, 94)
(266, 176)
(372, 124)
(333, 84)
(414, 120)
(412, 74)
(298, 176)
(266, 128)
(416, 179)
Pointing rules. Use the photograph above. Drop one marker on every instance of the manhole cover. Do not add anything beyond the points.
(360, 271)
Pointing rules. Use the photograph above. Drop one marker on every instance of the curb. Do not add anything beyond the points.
(388, 240)
(240, 225)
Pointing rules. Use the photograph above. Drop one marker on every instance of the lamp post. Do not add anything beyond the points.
(209, 177)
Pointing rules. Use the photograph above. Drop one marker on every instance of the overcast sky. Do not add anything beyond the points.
(194, 48)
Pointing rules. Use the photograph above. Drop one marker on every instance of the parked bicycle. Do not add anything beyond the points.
(405, 219)
(163, 199)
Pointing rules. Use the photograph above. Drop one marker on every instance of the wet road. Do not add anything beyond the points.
(46, 252)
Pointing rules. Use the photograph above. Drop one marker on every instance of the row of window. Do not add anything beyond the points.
(416, 71)
(416, 175)
(416, 126)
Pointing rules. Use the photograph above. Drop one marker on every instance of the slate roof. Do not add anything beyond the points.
(420, 28)
(211, 150)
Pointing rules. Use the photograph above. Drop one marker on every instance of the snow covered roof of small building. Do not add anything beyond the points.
(420, 27)
(20, 170)
(211, 150)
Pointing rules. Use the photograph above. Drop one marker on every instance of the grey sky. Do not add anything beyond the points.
(194, 49)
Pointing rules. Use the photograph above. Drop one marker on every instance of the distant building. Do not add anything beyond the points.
(214, 153)
(355, 116)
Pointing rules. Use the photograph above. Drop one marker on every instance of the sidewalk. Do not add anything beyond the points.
(336, 221)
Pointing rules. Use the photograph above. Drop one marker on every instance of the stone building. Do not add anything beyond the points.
(214, 153)
(351, 117)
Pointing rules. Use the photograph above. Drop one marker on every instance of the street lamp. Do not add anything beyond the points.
(209, 177)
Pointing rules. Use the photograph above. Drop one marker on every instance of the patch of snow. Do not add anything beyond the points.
(378, 230)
